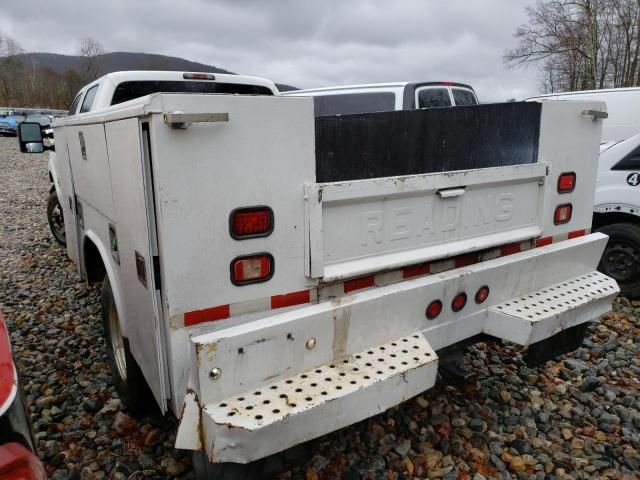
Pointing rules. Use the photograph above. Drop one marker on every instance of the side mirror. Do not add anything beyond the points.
(30, 138)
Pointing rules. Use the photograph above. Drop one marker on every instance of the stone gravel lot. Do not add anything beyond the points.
(575, 418)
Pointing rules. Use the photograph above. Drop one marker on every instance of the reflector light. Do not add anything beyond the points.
(251, 222)
(566, 182)
(252, 269)
(459, 302)
(562, 214)
(198, 76)
(482, 294)
(434, 309)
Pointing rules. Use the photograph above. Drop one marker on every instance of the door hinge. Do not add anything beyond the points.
(156, 272)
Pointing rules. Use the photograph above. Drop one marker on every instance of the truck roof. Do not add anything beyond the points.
(141, 75)
(106, 85)
(587, 92)
(375, 85)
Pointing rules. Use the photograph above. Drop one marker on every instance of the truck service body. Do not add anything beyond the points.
(277, 275)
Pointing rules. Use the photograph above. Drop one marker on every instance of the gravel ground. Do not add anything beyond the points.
(575, 418)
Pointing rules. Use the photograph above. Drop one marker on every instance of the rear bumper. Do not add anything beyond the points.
(268, 367)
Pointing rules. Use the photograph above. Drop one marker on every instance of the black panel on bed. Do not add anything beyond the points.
(409, 142)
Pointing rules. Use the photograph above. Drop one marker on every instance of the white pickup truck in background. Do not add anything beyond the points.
(271, 276)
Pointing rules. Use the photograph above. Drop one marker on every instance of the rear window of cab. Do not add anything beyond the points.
(126, 91)
(444, 96)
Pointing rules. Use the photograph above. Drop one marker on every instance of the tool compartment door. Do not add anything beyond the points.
(134, 225)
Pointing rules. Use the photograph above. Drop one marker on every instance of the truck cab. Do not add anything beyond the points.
(380, 97)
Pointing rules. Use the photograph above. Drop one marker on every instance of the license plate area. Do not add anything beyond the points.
(367, 226)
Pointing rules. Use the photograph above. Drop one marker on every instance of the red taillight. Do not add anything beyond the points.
(566, 182)
(434, 309)
(251, 222)
(482, 294)
(18, 463)
(252, 269)
(459, 302)
(562, 214)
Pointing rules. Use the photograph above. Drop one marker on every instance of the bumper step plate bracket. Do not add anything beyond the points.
(290, 411)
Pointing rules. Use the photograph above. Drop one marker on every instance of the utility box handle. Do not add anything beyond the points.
(178, 120)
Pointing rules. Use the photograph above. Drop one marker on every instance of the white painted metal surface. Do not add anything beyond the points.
(254, 356)
(533, 317)
(133, 222)
(622, 107)
(366, 226)
(320, 400)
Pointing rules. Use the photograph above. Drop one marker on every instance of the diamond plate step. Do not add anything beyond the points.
(541, 314)
(335, 394)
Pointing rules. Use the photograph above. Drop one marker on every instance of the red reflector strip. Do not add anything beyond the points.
(206, 315)
(576, 233)
(359, 283)
(415, 271)
(510, 249)
(290, 299)
(465, 260)
(541, 242)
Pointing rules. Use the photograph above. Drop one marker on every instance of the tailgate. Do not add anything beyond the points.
(364, 226)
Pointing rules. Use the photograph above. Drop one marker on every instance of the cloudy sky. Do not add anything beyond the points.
(308, 43)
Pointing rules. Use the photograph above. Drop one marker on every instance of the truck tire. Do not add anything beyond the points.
(127, 376)
(621, 258)
(203, 469)
(55, 217)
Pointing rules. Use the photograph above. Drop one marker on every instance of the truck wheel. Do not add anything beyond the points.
(127, 376)
(56, 219)
(203, 469)
(621, 258)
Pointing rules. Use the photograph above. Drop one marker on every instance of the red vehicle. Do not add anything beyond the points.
(17, 460)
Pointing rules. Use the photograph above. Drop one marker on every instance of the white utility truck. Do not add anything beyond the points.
(272, 276)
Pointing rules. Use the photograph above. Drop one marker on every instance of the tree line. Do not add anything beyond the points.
(24, 83)
(580, 44)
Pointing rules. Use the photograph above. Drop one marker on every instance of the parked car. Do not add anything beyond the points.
(9, 124)
(17, 458)
(617, 212)
(43, 120)
(383, 97)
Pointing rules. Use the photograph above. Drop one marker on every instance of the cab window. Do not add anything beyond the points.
(433, 97)
(350, 103)
(88, 99)
(74, 104)
(463, 97)
(126, 91)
